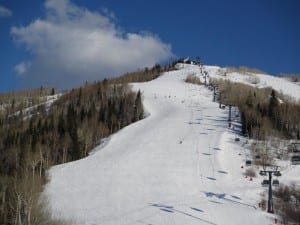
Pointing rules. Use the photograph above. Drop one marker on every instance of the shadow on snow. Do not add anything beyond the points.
(171, 209)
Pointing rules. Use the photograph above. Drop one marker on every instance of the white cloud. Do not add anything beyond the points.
(22, 67)
(5, 12)
(73, 44)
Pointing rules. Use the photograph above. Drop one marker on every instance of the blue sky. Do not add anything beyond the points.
(63, 43)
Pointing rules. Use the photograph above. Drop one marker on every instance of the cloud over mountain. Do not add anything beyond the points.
(72, 44)
(5, 12)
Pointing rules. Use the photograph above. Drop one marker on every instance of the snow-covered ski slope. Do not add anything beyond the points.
(179, 166)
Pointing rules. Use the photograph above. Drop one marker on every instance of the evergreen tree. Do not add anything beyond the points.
(249, 100)
(52, 92)
(273, 103)
(244, 123)
(61, 127)
(138, 107)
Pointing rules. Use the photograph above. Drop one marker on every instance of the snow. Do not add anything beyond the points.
(279, 84)
(27, 112)
(180, 165)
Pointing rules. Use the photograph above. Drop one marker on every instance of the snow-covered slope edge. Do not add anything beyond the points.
(279, 84)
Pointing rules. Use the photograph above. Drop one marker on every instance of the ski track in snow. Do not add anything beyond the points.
(178, 166)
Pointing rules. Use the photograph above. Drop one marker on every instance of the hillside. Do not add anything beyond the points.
(280, 84)
(59, 129)
(180, 165)
(39, 129)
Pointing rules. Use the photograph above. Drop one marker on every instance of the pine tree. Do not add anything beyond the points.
(138, 107)
(249, 100)
(82, 114)
(61, 127)
(52, 91)
(273, 103)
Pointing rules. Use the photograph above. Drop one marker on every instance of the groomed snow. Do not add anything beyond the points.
(179, 166)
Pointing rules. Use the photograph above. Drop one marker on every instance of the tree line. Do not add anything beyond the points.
(13, 101)
(287, 201)
(264, 111)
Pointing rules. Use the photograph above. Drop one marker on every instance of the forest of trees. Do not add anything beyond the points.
(14, 101)
(144, 75)
(264, 112)
(287, 201)
(67, 131)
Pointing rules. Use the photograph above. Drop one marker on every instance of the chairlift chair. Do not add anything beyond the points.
(295, 160)
(248, 162)
(277, 173)
(275, 183)
(262, 173)
(265, 183)
(294, 147)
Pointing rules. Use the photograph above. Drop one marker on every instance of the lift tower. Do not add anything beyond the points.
(269, 173)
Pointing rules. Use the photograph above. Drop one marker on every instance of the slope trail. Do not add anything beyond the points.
(165, 169)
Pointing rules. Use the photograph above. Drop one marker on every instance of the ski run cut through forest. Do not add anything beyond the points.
(180, 165)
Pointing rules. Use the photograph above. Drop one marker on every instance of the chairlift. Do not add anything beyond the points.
(277, 173)
(295, 160)
(265, 183)
(263, 173)
(294, 147)
(248, 162)
(275, 183)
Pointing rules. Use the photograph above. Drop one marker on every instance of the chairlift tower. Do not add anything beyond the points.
(205, 76)
(198, 61)
(270, 172)
(220, 97)
(215, 93)
(200, 64)
(229, 115)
